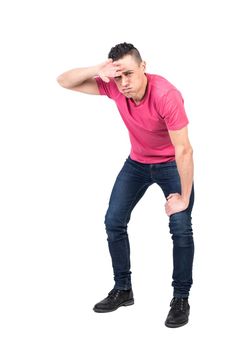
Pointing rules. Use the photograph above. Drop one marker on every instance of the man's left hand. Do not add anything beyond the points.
(175, 204)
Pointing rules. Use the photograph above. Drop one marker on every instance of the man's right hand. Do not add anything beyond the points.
(107, 70)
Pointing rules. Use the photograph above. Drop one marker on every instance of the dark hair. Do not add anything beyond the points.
(121, 50)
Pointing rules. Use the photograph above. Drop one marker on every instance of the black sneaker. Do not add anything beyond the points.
(179, 313)
(114, 300)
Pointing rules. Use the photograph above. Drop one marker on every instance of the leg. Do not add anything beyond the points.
(129, 187)
(183, 252)
(182, 235)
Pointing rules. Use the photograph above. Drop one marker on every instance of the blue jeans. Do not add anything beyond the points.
(130, 185)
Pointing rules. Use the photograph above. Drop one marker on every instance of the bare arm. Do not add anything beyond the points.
(82, 79)
(184, 160)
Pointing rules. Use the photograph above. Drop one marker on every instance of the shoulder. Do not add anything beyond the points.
(160, 86)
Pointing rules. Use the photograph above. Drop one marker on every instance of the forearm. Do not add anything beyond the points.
(77, 76)
(184, 161)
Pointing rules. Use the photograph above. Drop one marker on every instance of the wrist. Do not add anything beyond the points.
(98, 69)
(185, 199)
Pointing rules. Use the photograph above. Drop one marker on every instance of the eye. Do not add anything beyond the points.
(117, 78)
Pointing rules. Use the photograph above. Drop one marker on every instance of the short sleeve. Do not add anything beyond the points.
(173, 111)
(109, 89)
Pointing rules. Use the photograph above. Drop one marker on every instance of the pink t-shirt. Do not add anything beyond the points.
(161, 109)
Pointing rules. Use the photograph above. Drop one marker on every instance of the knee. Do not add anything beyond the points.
(181, 241)
(180, 223)
(111, 220)
(181, 229)
(116, 228)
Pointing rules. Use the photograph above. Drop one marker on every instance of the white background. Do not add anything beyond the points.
(61, 151)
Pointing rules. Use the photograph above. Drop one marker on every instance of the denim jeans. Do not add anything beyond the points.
(130, 185)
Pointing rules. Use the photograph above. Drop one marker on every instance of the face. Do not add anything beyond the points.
(130, 78)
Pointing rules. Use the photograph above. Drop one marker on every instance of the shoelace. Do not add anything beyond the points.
(178, 304)
(114, 294)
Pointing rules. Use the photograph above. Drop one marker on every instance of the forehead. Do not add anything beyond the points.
(128, 62)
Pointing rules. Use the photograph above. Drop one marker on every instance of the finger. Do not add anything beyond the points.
(105, 79)
(113, 72)
(171, 195)
(167, 208)
(116, 63)
(167, 212)
(118, 66)
(106, 63)
(118, 71)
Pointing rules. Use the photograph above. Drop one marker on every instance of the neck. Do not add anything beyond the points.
(137, 99)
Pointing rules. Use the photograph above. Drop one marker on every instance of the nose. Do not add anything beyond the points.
(124, 81)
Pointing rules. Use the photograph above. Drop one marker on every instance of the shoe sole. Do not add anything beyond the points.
(125, 303)
(169, 325)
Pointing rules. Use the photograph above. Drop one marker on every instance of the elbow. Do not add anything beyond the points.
(61, 81)
(64, 82)
(184, 152)
(189, 151)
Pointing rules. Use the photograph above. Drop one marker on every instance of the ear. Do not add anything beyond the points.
(143, 65)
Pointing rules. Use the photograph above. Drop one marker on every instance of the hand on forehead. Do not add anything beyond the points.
(120, 67)
(115, 66)
(125, 63)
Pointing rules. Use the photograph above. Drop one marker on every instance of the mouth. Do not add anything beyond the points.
(127, 90)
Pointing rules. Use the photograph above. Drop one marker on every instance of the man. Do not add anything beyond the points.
(153, 111)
